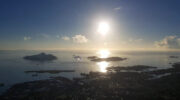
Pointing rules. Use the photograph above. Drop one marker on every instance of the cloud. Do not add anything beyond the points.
(45, 35)
(65, 38)
(80, 39)
(57, 36)
(117, 8)
(168, 42)
(27, 38)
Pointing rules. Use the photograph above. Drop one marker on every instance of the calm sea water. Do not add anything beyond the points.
(12, 64)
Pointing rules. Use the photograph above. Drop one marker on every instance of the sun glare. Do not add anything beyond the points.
(103, 65)
(103, 28)
(103, 53)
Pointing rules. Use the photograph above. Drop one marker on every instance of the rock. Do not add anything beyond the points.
(49, 71)
(1, 84)
(131, 68)
(103, 86)
(34, 75)
(41, 57)
(97, 59)
(173, 57)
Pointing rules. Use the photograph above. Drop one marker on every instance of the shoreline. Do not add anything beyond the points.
(119, 82)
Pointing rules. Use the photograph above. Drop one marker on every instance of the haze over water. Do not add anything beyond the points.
(13, 65)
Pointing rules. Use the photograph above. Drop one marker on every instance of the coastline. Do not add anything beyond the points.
(115, 84)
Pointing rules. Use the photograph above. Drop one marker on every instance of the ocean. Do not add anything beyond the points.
(13, 66)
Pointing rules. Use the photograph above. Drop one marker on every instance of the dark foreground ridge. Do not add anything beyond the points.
(119, 83)
(41, 57)
(97, 59)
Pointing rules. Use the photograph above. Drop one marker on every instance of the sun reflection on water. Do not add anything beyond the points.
(104, 64)
(103, 53)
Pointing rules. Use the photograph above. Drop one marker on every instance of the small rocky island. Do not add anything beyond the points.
(173, 57)
(49, 71)
(41, 57)
(97, 59)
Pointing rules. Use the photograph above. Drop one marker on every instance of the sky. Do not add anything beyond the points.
(73, 24)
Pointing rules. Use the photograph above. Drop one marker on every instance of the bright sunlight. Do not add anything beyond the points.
(103, 28)
(103, 65)
(103, 53)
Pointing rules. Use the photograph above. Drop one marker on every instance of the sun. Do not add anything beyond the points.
(103, 28)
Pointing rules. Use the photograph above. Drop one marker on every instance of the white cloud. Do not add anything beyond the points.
(168, 42)
(80, 39)
(27, 38)
(65, 38)
(117, 8)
